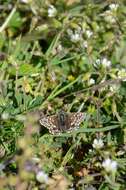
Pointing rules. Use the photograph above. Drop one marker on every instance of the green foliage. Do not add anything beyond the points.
(67, 56)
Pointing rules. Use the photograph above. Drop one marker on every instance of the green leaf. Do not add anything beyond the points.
(19, 98)
(15, 21)
(36, 102)
(24, 69)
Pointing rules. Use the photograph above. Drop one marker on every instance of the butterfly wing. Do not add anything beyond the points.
(50, 122)
(75, 120)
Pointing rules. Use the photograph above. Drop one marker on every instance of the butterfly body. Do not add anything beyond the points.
(62, 122)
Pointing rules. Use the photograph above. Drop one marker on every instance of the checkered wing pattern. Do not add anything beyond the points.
(75, 119)
(51, 123)
(73, 122)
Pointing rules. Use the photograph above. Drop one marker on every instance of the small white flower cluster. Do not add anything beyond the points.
(114, 87)
(42, 177)
(25, 1)
(109, 165)
(52, 11)
(84, 44)
(122, 74)
(97, 62)
(75, 36)
(5, 116)
(34, 165)
(109, 15)
(89, 33)
(114, 6)
(104, 62)
(91, 81)
(98, 143)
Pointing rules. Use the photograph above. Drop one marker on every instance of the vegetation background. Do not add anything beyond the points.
(63, 55)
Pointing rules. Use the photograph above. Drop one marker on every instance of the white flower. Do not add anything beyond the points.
(59, 48)
(109, 17)
(105, 62)
(91, 81)
(98, 61)
(85, 44)
(69, 32)
(5, 115)
(114, 87)
(98, 143)
(113, 6)
(25, 1)
(89, 33)
(122, 74)
(42, 177)
(75, 37)
(52, 11)
(109, 165)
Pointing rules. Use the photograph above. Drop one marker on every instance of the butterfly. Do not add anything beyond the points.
(62, 122)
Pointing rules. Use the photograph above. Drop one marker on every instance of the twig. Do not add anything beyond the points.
(97, 87)
(8, 19)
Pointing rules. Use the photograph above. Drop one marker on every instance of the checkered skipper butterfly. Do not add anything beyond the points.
(62, 122)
